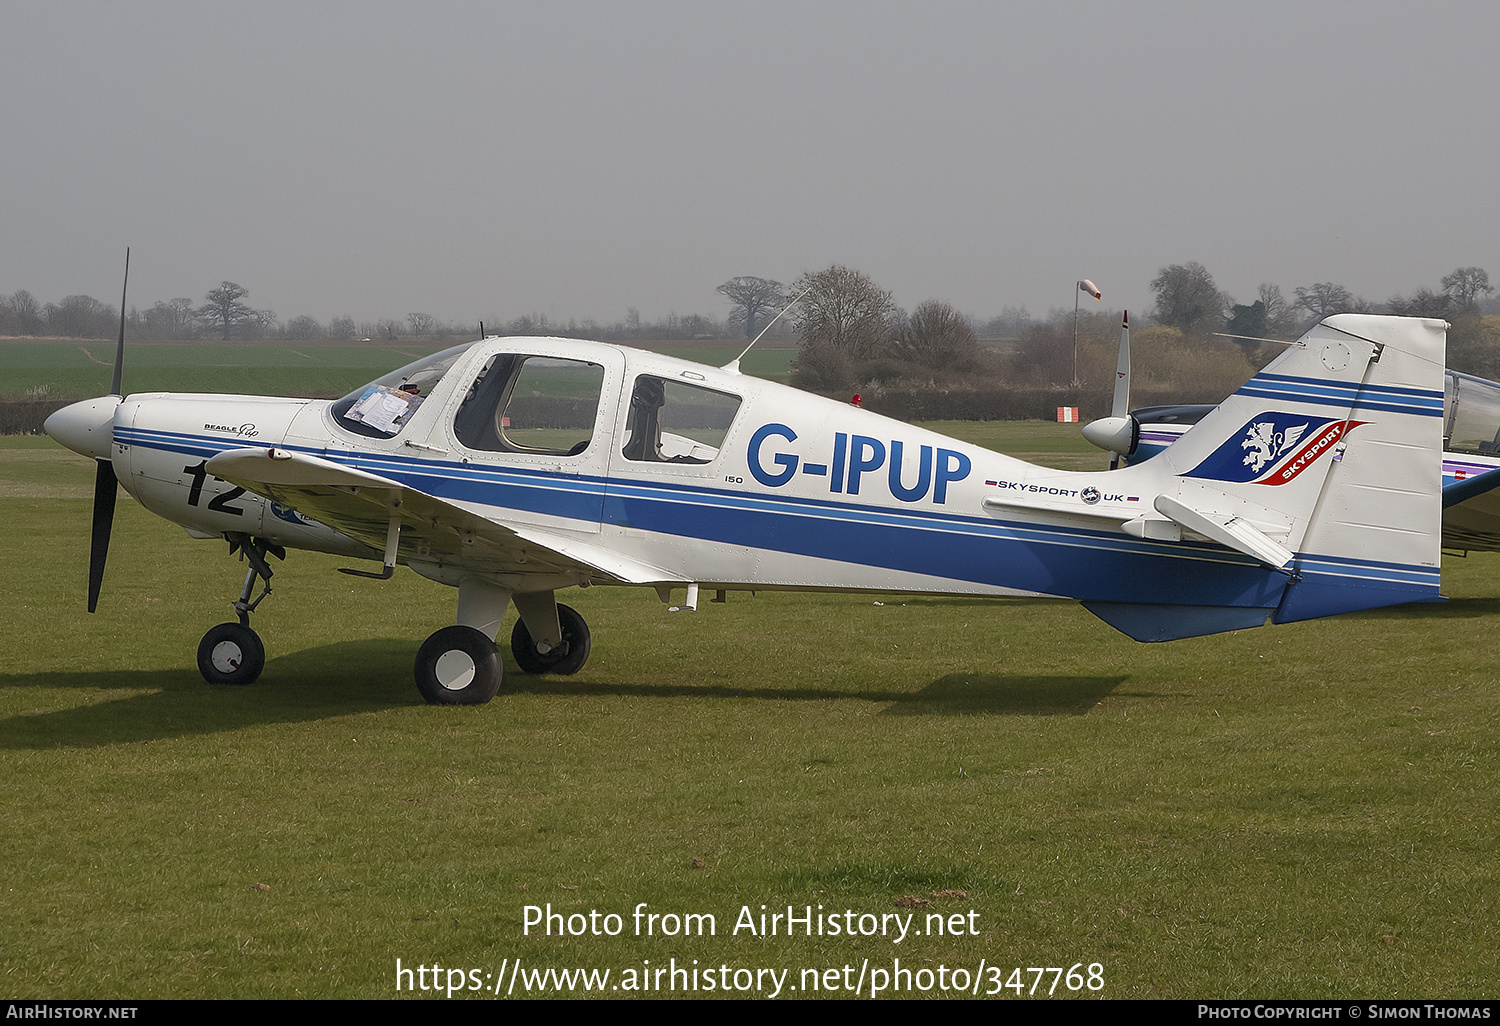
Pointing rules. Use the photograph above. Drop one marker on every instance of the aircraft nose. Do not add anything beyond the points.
(86, 427)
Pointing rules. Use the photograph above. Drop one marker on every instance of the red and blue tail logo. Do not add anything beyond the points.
(1273, 448)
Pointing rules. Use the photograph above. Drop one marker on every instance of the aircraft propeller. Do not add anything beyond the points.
(88, 427)
(106, 485)
(1119, 433)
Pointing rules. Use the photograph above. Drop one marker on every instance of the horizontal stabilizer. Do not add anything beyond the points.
(1234, 532)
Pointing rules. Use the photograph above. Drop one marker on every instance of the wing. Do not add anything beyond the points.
(433, 530)
(1471, 513)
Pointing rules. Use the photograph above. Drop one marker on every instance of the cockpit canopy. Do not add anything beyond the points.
(385, 406)
(1471, 421)
(547, 403)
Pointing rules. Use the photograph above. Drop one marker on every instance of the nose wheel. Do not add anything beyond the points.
(231, 654)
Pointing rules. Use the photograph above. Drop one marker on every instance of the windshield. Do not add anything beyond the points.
(386, 405)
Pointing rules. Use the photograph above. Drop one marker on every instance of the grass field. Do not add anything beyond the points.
(78, 369)
(1303, 811)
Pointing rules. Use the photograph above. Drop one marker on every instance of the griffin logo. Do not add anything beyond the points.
(1267, 445)
(1273, 449)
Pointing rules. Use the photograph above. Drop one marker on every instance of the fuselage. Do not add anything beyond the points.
(737, 482)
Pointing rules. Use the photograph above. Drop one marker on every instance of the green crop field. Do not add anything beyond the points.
(75, 369)
(1304, 811)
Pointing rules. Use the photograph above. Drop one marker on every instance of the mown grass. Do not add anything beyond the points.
(1299, 811)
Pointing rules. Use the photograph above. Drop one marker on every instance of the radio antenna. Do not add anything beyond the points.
(733, 366)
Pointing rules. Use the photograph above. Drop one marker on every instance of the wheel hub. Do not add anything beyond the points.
(455, 670)
(227, 657)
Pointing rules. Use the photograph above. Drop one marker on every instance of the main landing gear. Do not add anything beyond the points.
(461, 665)
(565, 658)
(232, 653)
(457, 665)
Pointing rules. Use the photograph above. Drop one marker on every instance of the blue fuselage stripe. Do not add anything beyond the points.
(1077, 562)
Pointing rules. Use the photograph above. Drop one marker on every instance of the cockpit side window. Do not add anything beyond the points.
(386, 405)
(533, 404)
(673, 422)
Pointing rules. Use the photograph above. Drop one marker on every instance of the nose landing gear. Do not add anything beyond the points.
(232, 653)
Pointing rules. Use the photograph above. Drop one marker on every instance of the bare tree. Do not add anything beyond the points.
(1423, 303)
(753, 297)
(843, 310)
(1280, 318)
(26, 311)
(422, 324)
(224, 310)
(1325, 298)
(1466, 285)
(80, 317)
(1012, 321)
(938, 336)
(1187, 298)
(263, 323)
(303, 327)
(168, 319)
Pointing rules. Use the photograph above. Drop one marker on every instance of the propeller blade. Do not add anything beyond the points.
(1121, 406)
(114, 384)
(105, 485)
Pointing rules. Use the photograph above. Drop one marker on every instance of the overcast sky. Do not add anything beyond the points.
(492, 159)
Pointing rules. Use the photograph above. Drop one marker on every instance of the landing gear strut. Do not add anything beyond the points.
(232, 653)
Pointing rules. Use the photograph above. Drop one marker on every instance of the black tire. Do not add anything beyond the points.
(566, 659)
(458, 666)
(231, 654)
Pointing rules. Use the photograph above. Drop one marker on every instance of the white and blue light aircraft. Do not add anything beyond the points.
(513, 468)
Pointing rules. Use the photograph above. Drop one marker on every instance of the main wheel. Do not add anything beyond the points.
(231, 654)
(566, 658)
(458, 666)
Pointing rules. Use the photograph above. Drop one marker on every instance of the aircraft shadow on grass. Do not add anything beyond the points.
(354, 677)
(315, 684)
(957, 694)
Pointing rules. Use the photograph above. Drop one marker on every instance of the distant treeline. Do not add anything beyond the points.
(1196, 344)
(225, 317)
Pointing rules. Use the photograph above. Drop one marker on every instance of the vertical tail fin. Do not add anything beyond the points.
(1333, 455)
